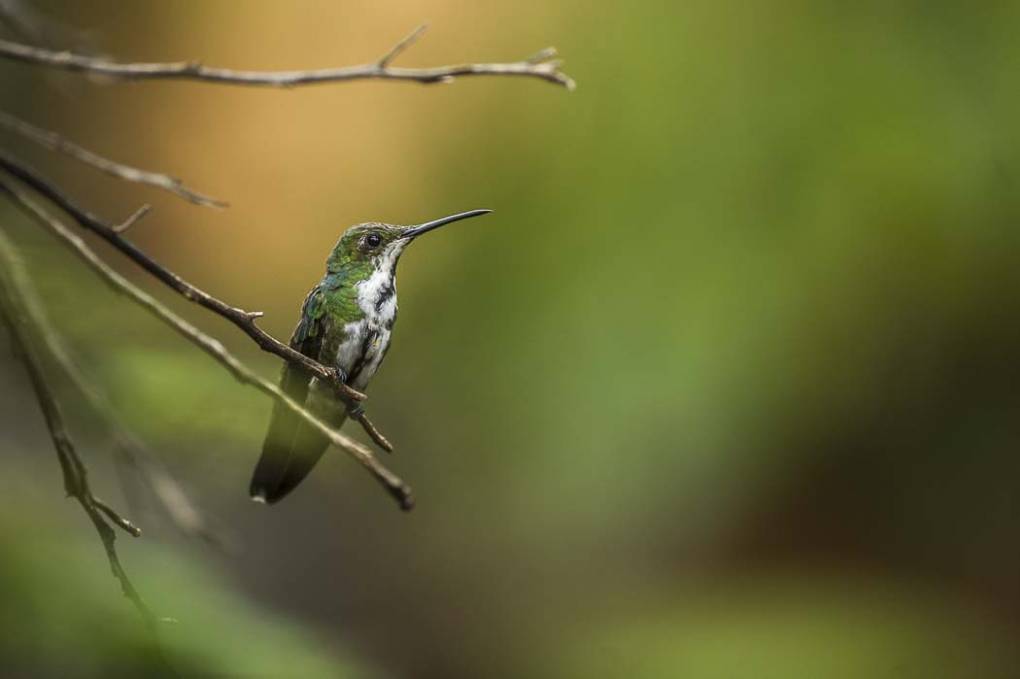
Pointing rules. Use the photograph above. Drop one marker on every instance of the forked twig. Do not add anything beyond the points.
(547, 69)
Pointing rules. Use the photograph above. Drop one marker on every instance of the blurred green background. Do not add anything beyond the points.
(726, 387)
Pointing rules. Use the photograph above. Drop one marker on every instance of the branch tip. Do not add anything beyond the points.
(406, 497)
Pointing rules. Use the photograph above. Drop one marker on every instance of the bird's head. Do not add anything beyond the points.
(374, 245)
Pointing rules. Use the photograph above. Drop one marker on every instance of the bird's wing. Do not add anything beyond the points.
(292, 446)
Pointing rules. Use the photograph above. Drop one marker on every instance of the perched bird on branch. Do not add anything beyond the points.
(345, 324)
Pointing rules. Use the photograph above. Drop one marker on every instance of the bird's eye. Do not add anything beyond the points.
(373, 240)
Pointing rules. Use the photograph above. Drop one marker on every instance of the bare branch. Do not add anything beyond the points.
(396, 487)
(175, 502)
(244, 320)
(74, 471)
(191, 70)
(397, 49)
(55, 142)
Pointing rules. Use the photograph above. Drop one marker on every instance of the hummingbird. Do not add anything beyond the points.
(346, 322)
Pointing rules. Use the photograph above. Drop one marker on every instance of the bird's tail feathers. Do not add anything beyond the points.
(292, 448)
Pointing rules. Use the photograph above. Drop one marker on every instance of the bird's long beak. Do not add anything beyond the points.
(415, 231)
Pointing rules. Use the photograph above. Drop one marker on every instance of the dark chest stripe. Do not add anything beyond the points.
(366, 345)
(385, 295)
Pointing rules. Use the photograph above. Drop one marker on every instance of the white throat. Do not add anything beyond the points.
(377, 294)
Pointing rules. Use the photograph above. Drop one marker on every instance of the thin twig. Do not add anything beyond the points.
(112, 515)
(245, 320)
(193, 70)
(55, 142)
(74, 471)
(396, 487)
(128, 448)
(397, 49)
(359, 415)
(132, 219)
